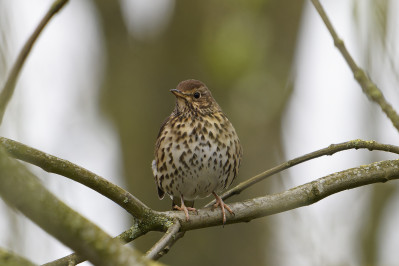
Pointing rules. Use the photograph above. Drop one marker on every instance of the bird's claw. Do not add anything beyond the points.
(223, 206)
(185, 210)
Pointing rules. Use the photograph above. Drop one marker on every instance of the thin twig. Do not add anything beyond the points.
(166, 242)
(9, 86)
(330, 150)
(368, 87)
(77, 173)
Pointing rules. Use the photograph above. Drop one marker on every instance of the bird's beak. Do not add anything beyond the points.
(177, 93)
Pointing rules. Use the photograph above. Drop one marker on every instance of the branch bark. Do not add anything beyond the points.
(330, 150)
(22, 190)
(10, 259)
(134, 206)
(77, 173)
(299, 196)
(165, 243)
(150, 220)
(127, 236)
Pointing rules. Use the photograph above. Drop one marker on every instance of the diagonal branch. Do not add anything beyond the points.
(166, 242)
(9, 258)
(134, 206)
(155, 221)
(9, 86)
(23, 190)
(299, 196)
(368, 87)
(330, 150)
(138, 229)
(77, 173)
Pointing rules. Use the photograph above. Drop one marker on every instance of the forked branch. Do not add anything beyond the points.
(330, 150)
(299, 196)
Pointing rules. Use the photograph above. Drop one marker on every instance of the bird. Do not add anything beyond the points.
(197, 151)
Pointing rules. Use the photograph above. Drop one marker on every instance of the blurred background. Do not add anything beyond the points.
(95, 90)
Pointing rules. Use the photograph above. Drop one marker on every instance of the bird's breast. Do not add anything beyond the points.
(197, 154)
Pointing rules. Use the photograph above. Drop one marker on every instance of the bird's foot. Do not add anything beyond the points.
(185, 209)
(223, 206)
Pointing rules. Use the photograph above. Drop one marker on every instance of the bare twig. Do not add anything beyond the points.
(368, 87)
(9, 86)
(65, 168)
(330, 150)
(165, 243)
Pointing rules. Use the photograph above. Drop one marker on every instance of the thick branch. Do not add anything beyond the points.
(155, 221)
(330, 150)
(65, 168)
(10, 259)
(9, 86)
(303, 195)
(300, 196)
(138, 229)
(21, 189)
(368, 87)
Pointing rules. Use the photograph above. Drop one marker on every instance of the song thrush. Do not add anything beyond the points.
(197, 152)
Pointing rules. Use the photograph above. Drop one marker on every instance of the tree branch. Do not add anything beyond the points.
(9, 86)
(22, 190)
(150, 220)
(368, 87)
(138, 229)
(79, 174)
(166, 242)
(134, 206)
(330, 150)
(10, 259)
(299, 196)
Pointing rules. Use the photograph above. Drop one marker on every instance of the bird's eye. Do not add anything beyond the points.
(197, 95)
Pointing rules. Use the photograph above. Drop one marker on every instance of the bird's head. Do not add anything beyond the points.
(193, 96)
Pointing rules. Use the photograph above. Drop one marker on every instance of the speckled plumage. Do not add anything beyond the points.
(197, 152)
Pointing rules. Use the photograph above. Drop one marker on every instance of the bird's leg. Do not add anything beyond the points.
(184, 208)
(219, 202)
